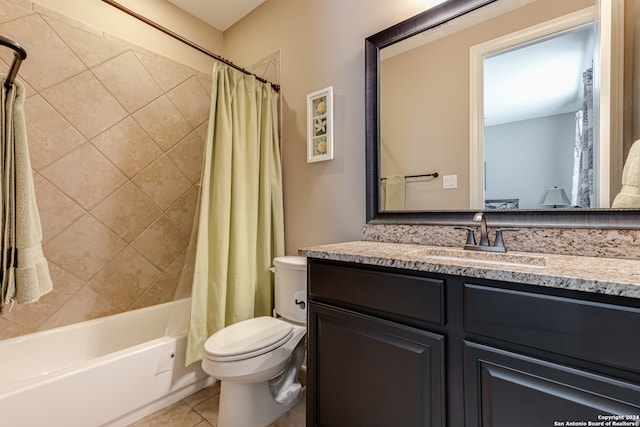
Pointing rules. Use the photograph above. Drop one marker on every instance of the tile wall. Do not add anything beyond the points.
(116, 136)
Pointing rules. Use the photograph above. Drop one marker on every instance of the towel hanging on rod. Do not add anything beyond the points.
(19, 55)
(435, 175)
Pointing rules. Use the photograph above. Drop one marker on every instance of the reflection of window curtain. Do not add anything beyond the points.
(582, 188)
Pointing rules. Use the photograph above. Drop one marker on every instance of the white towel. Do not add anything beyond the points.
(629, 196)
(25, 273)
(394, 193)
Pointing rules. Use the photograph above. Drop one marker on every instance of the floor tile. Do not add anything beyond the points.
(201, 410)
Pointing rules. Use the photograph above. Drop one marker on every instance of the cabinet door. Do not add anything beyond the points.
(363, 371)
(504, 389)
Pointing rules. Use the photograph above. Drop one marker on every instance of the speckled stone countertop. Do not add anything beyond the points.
(589, 274)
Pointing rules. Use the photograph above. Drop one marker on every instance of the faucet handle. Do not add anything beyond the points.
(498, 242)
(471, 238)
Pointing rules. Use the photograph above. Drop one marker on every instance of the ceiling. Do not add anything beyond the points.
(540, 79)
(220, 14)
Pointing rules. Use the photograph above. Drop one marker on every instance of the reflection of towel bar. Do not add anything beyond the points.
(19, 55)
(435, 175)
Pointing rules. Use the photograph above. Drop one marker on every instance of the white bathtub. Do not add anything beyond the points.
(109, 371)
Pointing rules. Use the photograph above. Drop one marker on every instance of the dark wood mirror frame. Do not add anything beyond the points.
(551, 218)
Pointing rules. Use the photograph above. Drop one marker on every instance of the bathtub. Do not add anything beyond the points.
(110, 371)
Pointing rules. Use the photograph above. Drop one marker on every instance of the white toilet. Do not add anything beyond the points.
(258, 360)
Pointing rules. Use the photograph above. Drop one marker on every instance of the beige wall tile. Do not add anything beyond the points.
(125, 278)
(29, 91)
(6, 60)
(166, 72)
(86, 304)
(161, 243)
(10, 330)
(49, 60)
(85, 175)
(10, 11)
(192, 101)
(127, 212)
(163, 122)
(84, 248)
(90, 154)
(89, 47)
(128, 81)
(26, 4)
(57, 211)
(86, 104)
(50, 135)
(33, 316)
(183, 211)
(206, 84)
(128, 146)
(187, 156)
(164, 288)
(162, 182)
(202, 130)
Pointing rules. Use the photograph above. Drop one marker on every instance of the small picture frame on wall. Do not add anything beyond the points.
(320, 125)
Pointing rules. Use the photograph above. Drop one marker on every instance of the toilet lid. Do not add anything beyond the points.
(248, 338)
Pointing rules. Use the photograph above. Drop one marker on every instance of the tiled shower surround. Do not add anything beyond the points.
(116, 136)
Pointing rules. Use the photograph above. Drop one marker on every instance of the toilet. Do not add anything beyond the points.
(257, 360)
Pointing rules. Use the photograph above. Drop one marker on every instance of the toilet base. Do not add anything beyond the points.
(249, 405)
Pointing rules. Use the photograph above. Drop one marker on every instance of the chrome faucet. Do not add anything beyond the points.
(484, 236)
(484, 245)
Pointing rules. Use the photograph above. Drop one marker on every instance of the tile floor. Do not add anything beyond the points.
(201, 410)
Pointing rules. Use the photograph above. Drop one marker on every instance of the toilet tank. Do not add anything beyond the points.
(290, 287)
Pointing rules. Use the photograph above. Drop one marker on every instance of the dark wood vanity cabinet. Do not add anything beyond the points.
(370, 372)
(391, 347)
(369, 365)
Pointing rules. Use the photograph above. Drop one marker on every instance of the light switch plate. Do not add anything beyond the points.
(450, 181)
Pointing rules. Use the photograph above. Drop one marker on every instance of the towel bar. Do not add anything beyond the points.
(19, 55)
(435, 175)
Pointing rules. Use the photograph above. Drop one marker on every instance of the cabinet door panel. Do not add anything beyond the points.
(506, 389)
(368, 372)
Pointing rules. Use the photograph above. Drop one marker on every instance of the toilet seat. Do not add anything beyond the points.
(247, 339)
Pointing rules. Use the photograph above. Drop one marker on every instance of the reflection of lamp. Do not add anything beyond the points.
(555, 197)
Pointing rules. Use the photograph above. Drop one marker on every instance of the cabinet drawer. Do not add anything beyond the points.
(396, 296)
(588, 330)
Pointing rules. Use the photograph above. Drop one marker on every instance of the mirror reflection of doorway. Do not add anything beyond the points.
(535, 129)
(539, 121)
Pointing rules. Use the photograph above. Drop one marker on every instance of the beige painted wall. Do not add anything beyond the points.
(322, 44)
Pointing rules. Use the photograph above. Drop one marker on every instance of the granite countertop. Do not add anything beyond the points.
(589, 274)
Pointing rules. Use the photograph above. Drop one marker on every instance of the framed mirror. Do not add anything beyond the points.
(445, 174)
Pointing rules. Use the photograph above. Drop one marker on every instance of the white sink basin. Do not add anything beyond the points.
(513, 259)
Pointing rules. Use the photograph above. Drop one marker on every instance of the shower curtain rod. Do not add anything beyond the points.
(176, 36)
(19, 55)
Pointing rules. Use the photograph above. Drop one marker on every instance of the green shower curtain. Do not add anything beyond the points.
(240, 225)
